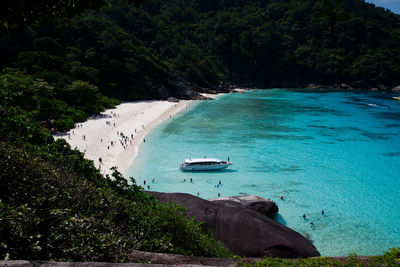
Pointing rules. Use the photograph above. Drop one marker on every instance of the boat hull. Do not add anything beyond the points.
(205, 167)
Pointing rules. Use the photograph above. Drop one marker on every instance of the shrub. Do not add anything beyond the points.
(55, 205)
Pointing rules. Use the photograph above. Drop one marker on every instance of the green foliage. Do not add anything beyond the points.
(389, 258)
(56, 205)
(131, 53)
(19, 13)
(41, 99)
(83, 94)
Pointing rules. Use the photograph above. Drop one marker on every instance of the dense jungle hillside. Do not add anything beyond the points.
(56, 71)
(135, 53)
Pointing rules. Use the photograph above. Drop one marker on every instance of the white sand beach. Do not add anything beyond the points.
(115, 136)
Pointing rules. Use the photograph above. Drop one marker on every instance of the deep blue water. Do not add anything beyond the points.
(319, 149)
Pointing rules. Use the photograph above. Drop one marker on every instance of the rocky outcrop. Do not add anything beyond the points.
(186, 91)
(317, 86)
(174, 259)
(245, 232)
(223, 87)
(381, 86)
(261, 205)
(172, 99)
(355, 85)
(396, 89)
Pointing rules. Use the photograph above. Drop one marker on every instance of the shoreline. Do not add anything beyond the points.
(113, 138)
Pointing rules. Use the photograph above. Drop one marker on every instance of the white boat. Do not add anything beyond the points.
(204, 164)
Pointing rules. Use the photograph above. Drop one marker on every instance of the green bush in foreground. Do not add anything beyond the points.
(55, 205)
(389, 258)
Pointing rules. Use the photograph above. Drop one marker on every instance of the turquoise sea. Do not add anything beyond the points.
(319, 149)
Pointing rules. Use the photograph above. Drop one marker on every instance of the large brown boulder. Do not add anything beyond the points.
(245, 232)
(264, 206)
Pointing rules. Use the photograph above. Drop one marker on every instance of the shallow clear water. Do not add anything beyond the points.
(320, 150)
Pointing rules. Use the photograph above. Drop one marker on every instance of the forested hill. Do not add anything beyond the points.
(164, 46)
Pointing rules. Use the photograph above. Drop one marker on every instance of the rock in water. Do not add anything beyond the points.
(396, 89)
(245, 232)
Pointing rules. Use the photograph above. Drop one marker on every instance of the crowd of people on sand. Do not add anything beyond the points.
(123, 139)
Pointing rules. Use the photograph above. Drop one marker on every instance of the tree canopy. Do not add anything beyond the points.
(131, 53)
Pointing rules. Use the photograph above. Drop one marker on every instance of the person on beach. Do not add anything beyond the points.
(322, 212)
(191, 180)
(304, 216)
(219, 194)
(144, 140)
